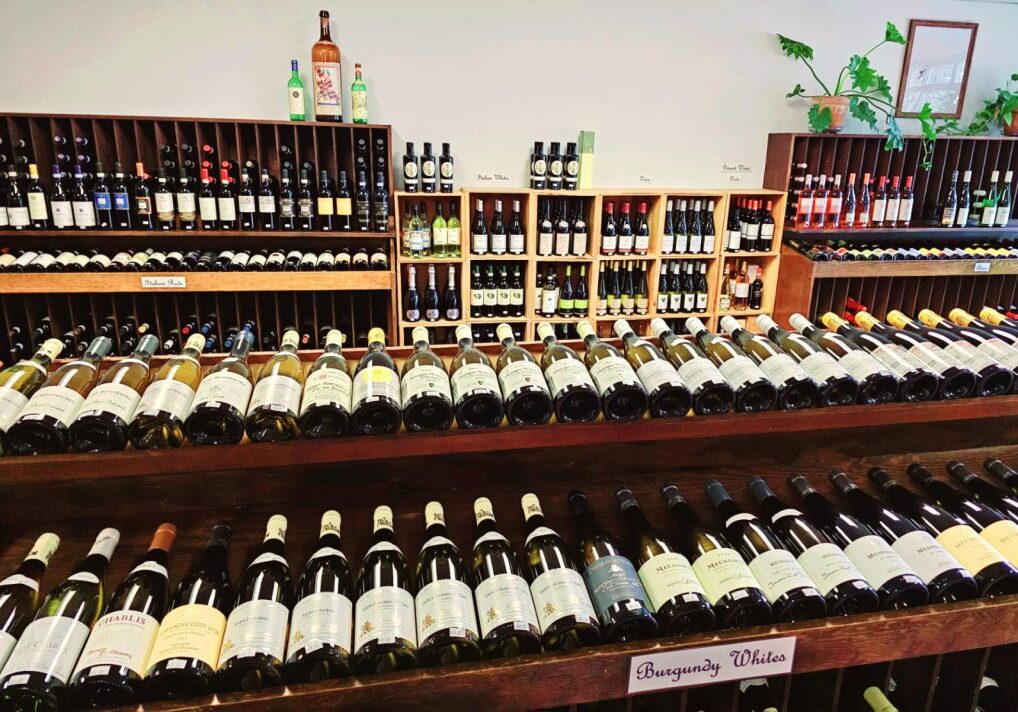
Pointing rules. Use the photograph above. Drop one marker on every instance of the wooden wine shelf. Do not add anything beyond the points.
(196, 234)
(102, 282)
(905, 234)
(602, 673)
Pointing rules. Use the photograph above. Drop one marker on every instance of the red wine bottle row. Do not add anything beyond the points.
(783, 564)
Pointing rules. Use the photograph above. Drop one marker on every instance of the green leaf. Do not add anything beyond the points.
(895, 141)
(883, 88)
(864, 76)
(1007, 110)
(926, 121)
(891, 34)
(795, 50)
(797, 90)
(820, 119)
(861, 109)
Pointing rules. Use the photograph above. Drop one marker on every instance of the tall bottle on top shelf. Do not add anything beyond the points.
(20, 381)
(525, 392)
(573, 392)
(159, 419)
(622, 394)
(327, 74)
(221, 401)
(753, 392)
(376, 408)
(476, 395)
(426, 393)
(325, 405)
(19, 593)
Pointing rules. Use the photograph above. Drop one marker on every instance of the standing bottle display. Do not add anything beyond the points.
(573, 392)
(835, 385)
(524, 389)
(159, 419)
(275, 400)
(795, 389)
(622, 395)
(326, 403)
(425, 390)
(19, 593)
(667, 395)
(327, 74)
(20, 381)
(376, 409)
(217, 414)
(753, 392)
(295, 94)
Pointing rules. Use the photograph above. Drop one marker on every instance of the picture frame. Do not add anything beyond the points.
(938, 57)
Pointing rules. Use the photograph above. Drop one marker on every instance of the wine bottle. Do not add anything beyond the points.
(251, 656)
(159, 419)
(564, 609)
(321, 630)
(792, 593)
(40, 666)
(989, 344)
(425, 390)
(186, 652)
(108, 673)
(839, 581)
(575, 397)
(19, 593)
(894, 580)
(710, 393)
(275, 402)
(622, 394)
(446, 621)
(676, 596)
(325, 405)
(524, 390)
(940, 571)
(43, 427)
(982, 491)
(385, 630)
(476, 395)
(102, 422)
(991, 571)
(795, 389)
(20, 381)
(507, 617)
(1002, 472)
(217, 414)
(730, 586)
(667, 395)
(835, 385)
(753, 392)
(376, 408)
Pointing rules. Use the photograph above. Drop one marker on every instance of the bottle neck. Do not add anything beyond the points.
(32, 568)
(329, 539)
(241, 349)
(324, 36)
(486, 525)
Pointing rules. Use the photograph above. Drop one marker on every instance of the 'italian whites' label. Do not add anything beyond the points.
(505, 598)
(612, 371)
(376, 382)
(321, 619)
(781, 368)
(926, 557)
(442, 605)
(327, 386)
(822, 368)
(11, 404)
(657, 373)
(425, 380)
(668, 576)
(860, 364)
(57, 402)
(474, 378)
(778, 573)
(559, 593)
(255, 627)
(739, 370)
(611, 580)
(828, 566)
(48, 645)
(974, 552)
(114, 398)
(522, 376)
(190, 631)
(697, 372)
(876, 560)
(384, 614)
(1003, 536)
(7, 643)
(566, 373)
(167, 396)
(722, 571)
(225, 387)
(278, 393)
(122, 639)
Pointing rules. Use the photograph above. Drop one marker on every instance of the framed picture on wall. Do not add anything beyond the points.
(936, 70)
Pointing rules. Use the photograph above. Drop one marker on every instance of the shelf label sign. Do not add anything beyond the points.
(711, 664)
(981, 267)
(164, 282)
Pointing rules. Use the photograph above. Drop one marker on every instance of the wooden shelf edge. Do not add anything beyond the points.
(118, 282)
(185, 234)
(919, 232)
(600, 673)
(914, 268)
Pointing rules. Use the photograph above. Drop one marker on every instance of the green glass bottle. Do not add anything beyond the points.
(295, 94)
(439, 233)
(452, 225)
(359, 97)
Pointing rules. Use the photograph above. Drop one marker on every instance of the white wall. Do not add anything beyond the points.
(673, 89)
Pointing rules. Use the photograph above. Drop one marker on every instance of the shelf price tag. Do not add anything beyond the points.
(981, 267)
(711, 664)
(164, 282)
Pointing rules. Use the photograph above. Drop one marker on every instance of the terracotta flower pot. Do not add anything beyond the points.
(1011, 129)
(839, 108)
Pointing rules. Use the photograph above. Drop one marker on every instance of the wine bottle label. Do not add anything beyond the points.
(11, 404)
(20, 580)
(268, 556)
(567, 373)
(473, 378)
(502, 599)
(897, 359)
(167, 396)
(49, 646)
(489, 536)
(822, 368)
(327, 387)
(193, 631)
(516, 244)
(151, 566)
(18, 216)
(442, 605)
(657, 373)
(668, 576)
(479, 243)
(384, 615)
(609, 243)
(436, 540)
(828, 566)
(778, 573)
(84, 213)
(612, 371)
(926, 557)
(740, 370)
(974, 552)
(7, 643)
(277, 393)
(185, 204)
(375, 382)
(206, 207)
(961, 351)
(37, 206)
(63, 214)
(641, 243)
(328, 93)
(931, 356)
(116, 399)
(861, 365)
(224, 387)
(697, 372)
(999, 351)
(246, 203)
(520, 376)
(782, 368)
(1003, 536)
(876, 560)
(559, 593)
(681, 243)
(612, 579)
(425, 380)
(57, 402)
(255, 627)
(321, 619)
(122, 639)
(266, 204)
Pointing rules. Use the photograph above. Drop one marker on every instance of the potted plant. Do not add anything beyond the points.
(860, 90)
(1001, 111)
